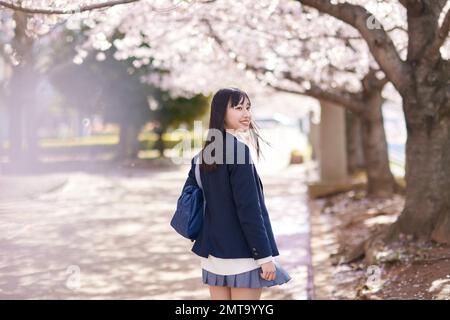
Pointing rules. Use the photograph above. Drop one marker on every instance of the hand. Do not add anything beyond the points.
(269, 271)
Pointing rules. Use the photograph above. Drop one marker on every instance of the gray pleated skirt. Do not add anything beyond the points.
(249, 279)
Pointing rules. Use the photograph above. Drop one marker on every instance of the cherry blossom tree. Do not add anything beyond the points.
(412, 53)
(274, 43)
(344, 51)
(422, 79)
(408, 44)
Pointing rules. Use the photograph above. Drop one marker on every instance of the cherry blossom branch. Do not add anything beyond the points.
(82, 8)
(340, 98)
(379, 42)
(347, 100)
(442, 35)
(413, 6)
(383, 82)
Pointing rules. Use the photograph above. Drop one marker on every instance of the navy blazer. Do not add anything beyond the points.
(236, 222)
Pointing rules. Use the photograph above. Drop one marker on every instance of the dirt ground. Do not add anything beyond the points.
(404, 270)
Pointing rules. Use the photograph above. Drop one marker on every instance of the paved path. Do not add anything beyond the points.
(106, 235)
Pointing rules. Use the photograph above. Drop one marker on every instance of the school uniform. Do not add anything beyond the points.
(236, 236)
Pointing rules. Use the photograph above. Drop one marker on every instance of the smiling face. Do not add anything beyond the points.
(238, 117)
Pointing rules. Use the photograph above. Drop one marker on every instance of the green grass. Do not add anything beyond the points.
(147, 139)
(79, 141)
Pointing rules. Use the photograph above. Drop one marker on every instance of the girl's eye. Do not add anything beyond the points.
(239, 108)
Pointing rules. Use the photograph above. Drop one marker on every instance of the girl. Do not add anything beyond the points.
(236, 244)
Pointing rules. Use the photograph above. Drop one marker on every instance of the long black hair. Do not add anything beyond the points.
(223, 99)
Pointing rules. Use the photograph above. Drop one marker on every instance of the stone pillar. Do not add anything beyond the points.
(332, 155)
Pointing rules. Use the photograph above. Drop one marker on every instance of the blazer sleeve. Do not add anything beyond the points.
(245, 194)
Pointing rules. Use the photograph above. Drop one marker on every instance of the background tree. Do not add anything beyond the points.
(113, 89)
(19, 92)
(172, 112)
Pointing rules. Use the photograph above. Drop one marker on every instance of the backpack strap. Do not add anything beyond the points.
(197, 171)
(199, 180)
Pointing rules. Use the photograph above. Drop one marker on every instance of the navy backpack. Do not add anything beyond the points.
(188, 217)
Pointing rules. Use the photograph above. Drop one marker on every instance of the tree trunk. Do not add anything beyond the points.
(160, 146)
(128, 147)
(21, 97)
(426, 215)
(23, 126)
(380, 180)
(426, 103)
(31, 120)
(355, 153)
(15, 132)
(427, 204)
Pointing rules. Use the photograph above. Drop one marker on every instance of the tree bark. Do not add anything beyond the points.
(427, 205)
(426, 104)
(355, 153)
(380, 180)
